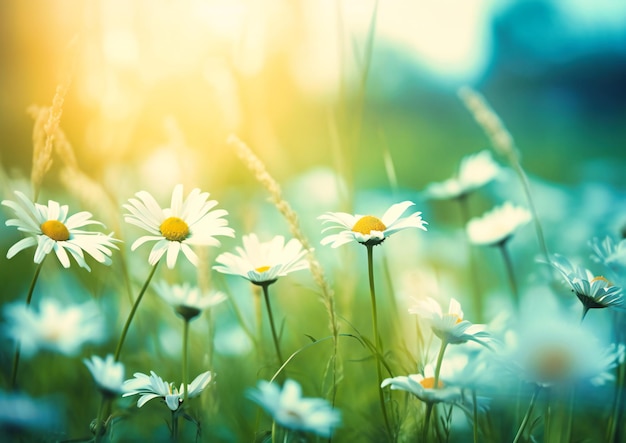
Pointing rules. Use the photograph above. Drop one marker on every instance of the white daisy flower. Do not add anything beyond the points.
(188, 301)
(609, 253)
(423, 387)
(475, 171)
(549, 352)
(498, 225)
(292, 411)
(450, 326)
(592, 291)
(54, 327)
(367, 229)
(185, 223)
(51, 229)
(107, 373)
(153, 386)
(263, 262)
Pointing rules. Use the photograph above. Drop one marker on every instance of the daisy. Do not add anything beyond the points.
(188, 301)
(423, 387)
(51, 229)
(475, 171)
(367, 229)
(107, 373)
(153, 386)
(450, 326)
(263, 262)
(498, 225)
(592, 291)
(609, 253)
(54, 327)
(292, 411)
(550, 352)
(184, 224)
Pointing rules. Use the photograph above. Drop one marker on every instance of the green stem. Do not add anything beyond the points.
(29, 297)
(118, 350)
(377, 341)
(475, 414)
(174, 434)
(100, 419)
(527, 415)
(506, 257)
(531, 205)
(429, 407)
(272, 325)
(185, 369)
(478, 301)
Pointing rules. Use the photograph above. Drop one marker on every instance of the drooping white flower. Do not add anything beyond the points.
(107, 373)
(188, 301)
(592, 291)
(186, 223)
(475, 171)
(152, 386)
(368, 229)
(498, 225)
(449, 326)
(423, 387)
(263, 262)
(54, 327)
(50, 228)
(292, 411)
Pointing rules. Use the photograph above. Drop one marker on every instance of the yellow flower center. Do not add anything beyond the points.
(262, 268)
(458, 319)
(174, 229)
(56, 230)
(552, 363)
(599, 277)
(429, 383)
(367, 224)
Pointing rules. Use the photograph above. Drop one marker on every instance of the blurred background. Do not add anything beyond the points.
(299, 79)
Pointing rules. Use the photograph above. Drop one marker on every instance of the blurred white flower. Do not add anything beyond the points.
(548, 351)
(263, 262)
(450, 326)
(423, 387)
(185, 223)
(609, 253)
(498, 225)
(107, 373)
(153, 386)
(54, 327)
(18, 410)
(292, 411)
(475, 171)
(188, 301)
(367, 229)
(592, 291)
(50, 228)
